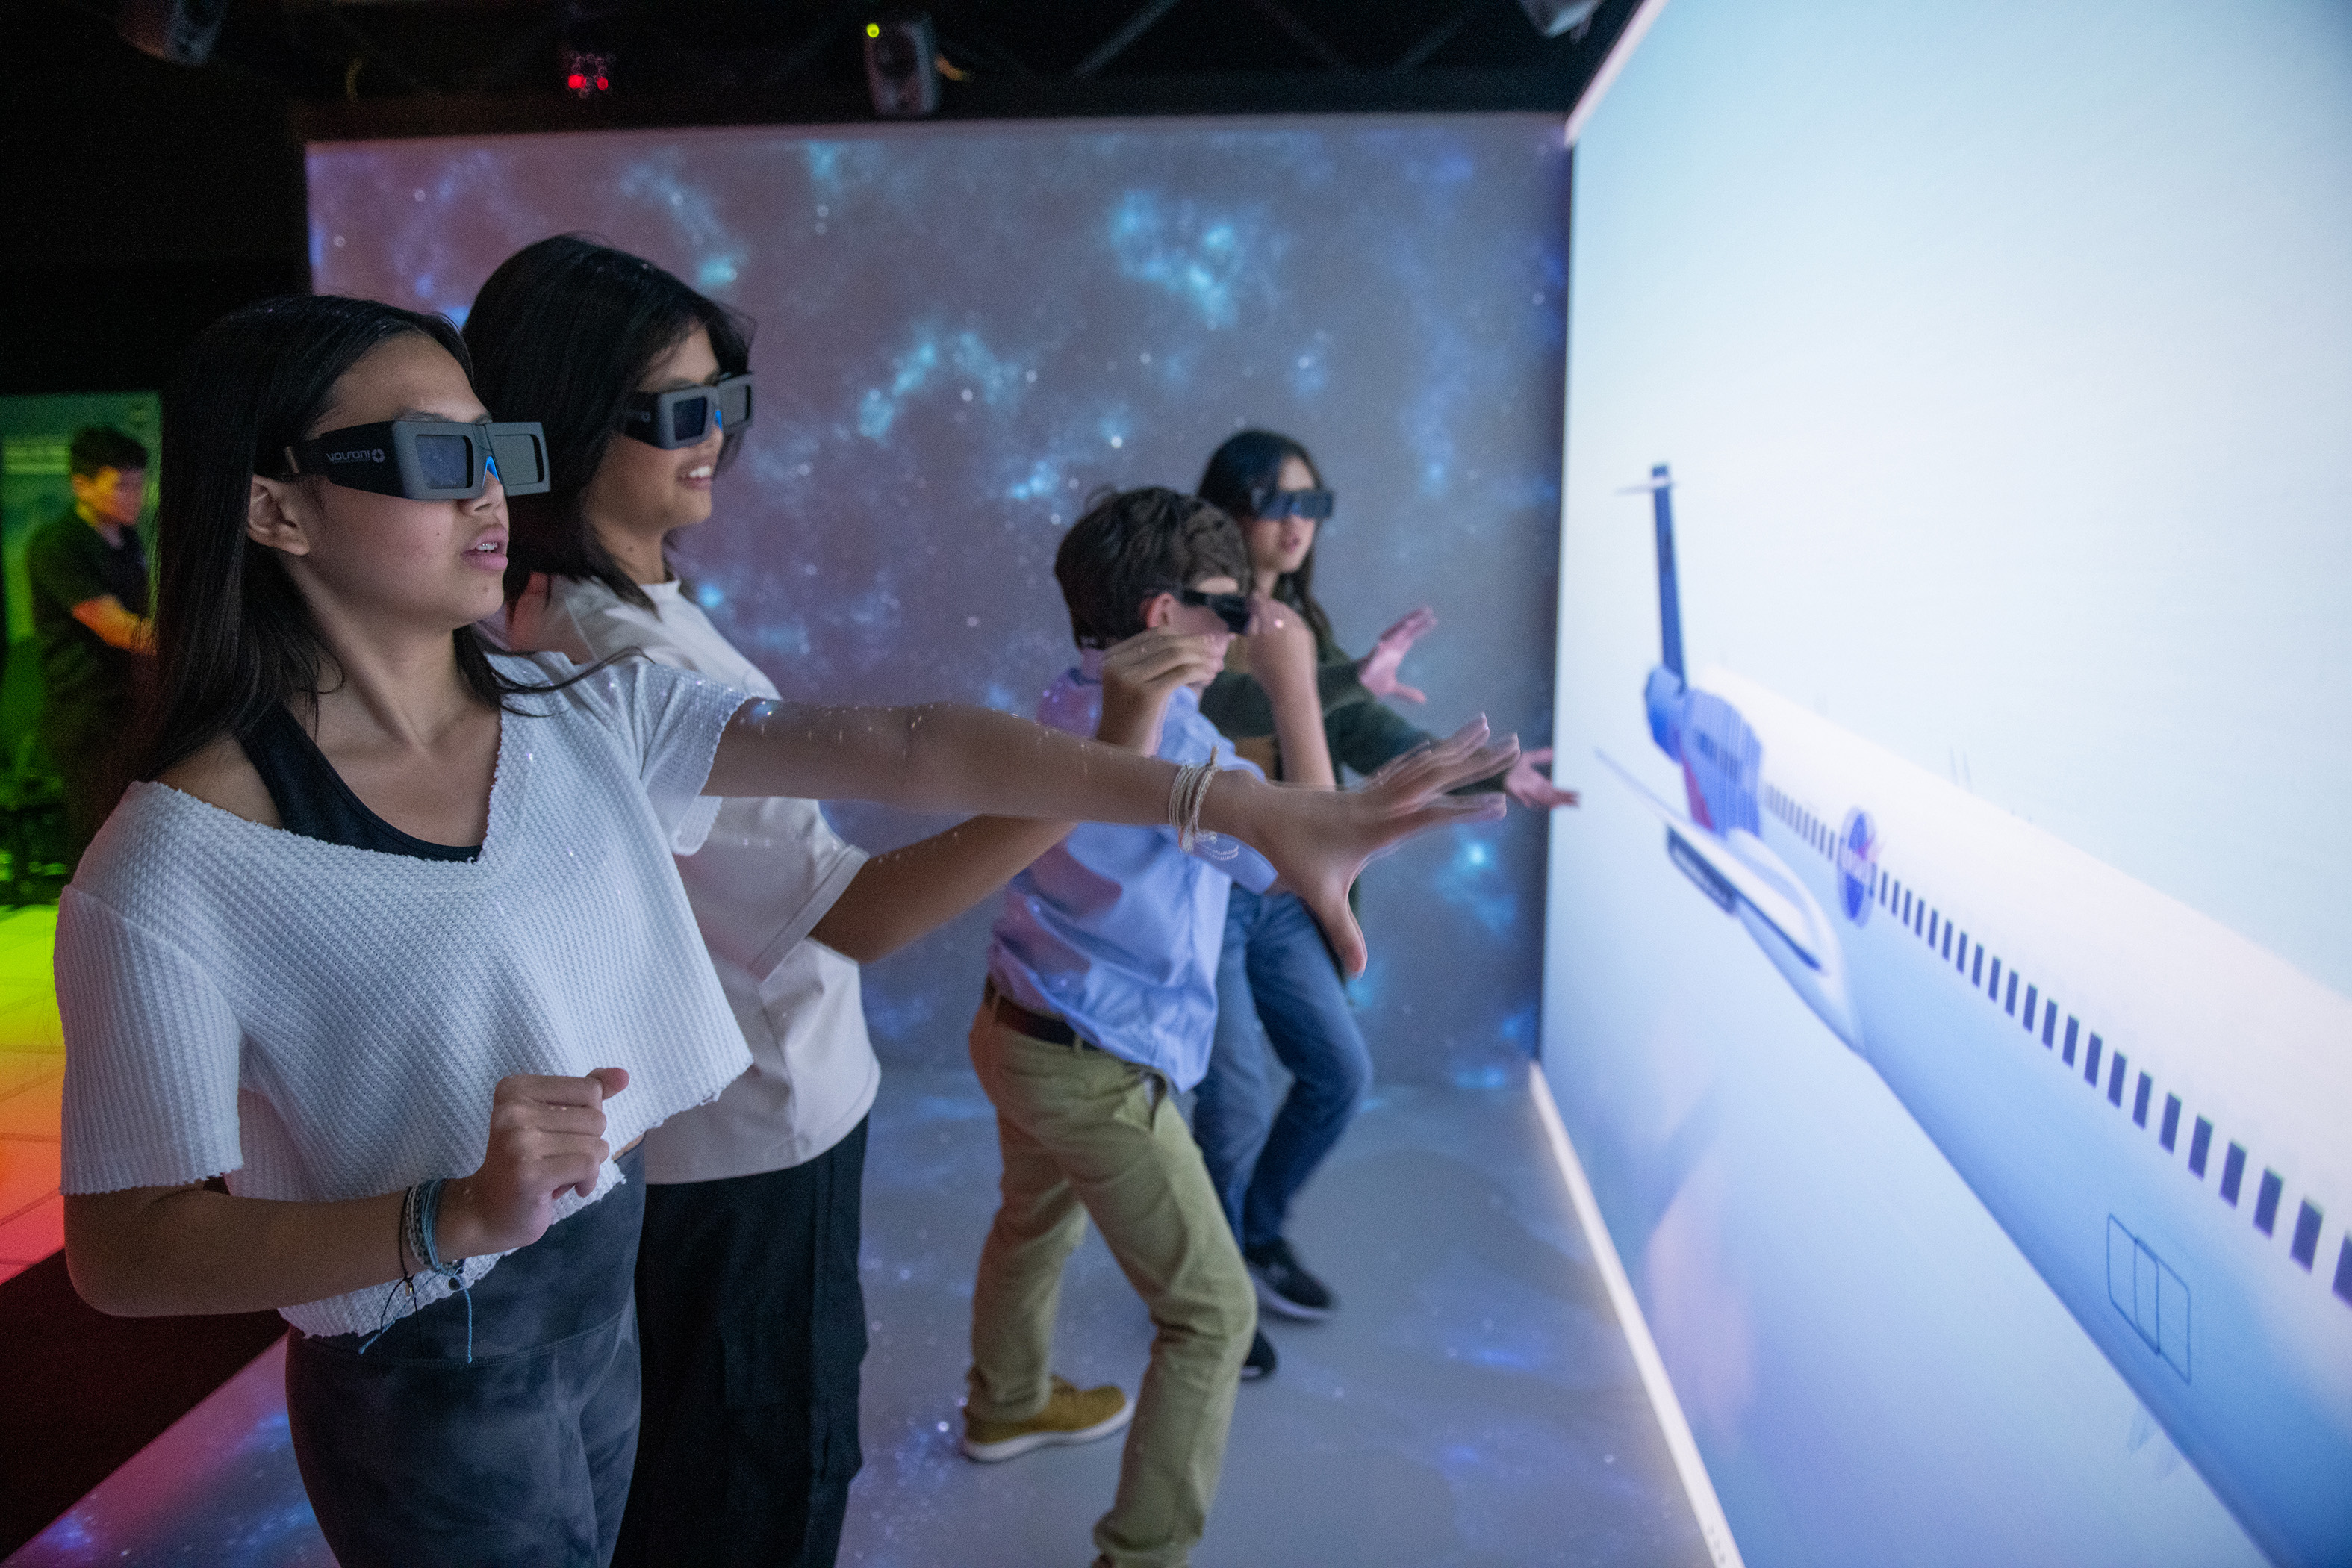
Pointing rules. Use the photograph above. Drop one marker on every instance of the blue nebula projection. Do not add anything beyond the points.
(962, 357)
(965, 331)
(1474, 881)
(1201, 259)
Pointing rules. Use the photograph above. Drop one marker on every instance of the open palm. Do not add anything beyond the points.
(1378, 669)
(1319, 842)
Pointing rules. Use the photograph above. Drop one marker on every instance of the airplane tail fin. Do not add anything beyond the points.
(1670, 612)
(1662, 693)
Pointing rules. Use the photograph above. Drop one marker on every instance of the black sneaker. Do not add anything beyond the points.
(1284, 1286)
(1261, 1359)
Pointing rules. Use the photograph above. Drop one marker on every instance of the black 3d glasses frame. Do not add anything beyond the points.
(1233, 609)
(1267, 502)
(428, 459)
(670, 420)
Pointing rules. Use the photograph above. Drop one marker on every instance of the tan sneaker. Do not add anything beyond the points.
(1071, 1415)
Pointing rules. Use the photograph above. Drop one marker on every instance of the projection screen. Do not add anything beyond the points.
(1946, 980)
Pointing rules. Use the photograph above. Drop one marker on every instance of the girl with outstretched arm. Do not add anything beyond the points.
(367, 985)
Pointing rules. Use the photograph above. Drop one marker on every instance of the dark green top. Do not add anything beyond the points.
(68, 563)
(1363, 732)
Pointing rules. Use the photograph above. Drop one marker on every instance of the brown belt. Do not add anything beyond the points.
(1020, 1021)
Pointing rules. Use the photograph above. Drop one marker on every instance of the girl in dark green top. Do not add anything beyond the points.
(1277, 984)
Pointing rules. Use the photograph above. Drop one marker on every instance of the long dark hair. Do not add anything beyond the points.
(561, 334)
(1250, 461)
(234, 636)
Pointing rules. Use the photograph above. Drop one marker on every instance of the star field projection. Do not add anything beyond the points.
(963, 332)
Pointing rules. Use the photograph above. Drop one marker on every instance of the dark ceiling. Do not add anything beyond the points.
(409, 68)
(145, 198)
(1051, 53)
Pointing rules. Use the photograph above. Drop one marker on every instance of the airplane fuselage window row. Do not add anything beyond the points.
(2040, 1016)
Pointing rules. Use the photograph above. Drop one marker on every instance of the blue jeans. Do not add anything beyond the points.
(1276, 987)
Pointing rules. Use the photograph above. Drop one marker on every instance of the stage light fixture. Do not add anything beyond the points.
(900, 74)
(1553, 17)
(181, 31)
(588, 73)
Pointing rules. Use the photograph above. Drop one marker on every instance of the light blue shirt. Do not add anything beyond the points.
(1116, 929)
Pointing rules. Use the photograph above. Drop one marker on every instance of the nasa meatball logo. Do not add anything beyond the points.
(1857, 864)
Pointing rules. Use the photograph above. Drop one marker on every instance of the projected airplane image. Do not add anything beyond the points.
(2155, 1110)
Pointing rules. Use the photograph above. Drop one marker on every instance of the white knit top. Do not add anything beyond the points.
(321, 1022)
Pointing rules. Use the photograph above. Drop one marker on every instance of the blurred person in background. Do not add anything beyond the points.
(88, 573)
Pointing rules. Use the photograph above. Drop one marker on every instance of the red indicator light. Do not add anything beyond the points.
(585, 72)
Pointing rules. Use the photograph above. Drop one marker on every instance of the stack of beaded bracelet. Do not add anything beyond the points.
(427, 1211)
(420, 1216)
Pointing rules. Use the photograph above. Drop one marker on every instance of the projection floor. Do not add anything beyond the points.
(32, 1085)
(1472, 1404)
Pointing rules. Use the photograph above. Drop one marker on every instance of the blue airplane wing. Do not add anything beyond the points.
(1721, 874)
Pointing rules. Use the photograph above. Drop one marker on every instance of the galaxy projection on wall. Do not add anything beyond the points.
(963, 331)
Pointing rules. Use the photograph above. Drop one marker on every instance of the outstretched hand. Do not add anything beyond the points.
(1531, 787)
(1319, 841)
(547, 1138)
(1377, 670)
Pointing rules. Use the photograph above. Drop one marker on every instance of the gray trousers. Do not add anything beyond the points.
(410, 1455)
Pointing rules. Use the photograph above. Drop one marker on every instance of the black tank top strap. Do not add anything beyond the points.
(313, 800)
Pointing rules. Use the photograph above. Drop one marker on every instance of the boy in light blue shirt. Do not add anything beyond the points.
(1099, 1009)
(1115, 931)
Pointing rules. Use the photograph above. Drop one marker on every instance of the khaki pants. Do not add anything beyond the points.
(1084, 1132)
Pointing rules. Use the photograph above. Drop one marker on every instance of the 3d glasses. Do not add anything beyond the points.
(1266, 503)
(428, 459)
(682, 418)
(1233, 609)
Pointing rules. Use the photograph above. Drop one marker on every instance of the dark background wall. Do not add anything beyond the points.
(143, 200)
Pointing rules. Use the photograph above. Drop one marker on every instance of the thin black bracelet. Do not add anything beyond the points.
(410, 1225)
(400, 1241)
(408, 1282)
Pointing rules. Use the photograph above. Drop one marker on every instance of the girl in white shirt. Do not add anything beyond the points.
(408, 1064)
(749, 1258)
